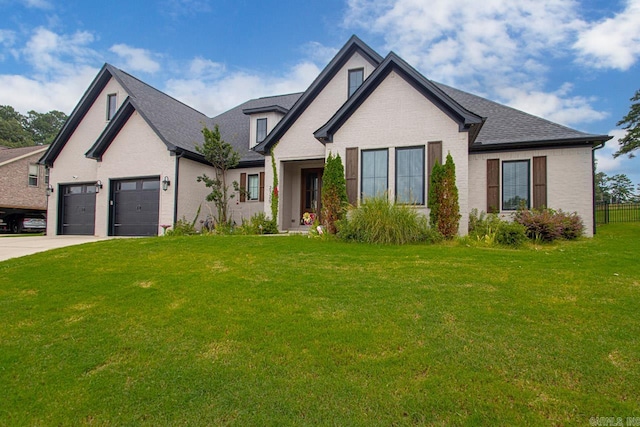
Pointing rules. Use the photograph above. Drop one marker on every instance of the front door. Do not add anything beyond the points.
(310, 200)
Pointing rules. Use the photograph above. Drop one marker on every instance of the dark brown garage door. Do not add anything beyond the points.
(135, 207)
(78, 209)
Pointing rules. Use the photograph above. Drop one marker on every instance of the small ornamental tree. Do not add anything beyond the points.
(334, 192)
(223, 157)
(443, 199)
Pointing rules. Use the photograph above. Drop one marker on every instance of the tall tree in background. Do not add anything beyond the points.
(631, 123)
(35, 128)
(223, 157)
(620, 188)
(12, 131)
(44, 127)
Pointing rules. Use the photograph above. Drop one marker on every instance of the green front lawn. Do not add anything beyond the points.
(293, 331)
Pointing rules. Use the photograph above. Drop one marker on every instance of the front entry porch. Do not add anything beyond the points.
(301, 194)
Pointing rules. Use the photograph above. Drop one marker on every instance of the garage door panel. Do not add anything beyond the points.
(78, 209)
(136, 207)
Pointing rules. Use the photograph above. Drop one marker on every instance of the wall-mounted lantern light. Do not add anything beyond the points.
(165, 183)
(98, 186)
(49, 190)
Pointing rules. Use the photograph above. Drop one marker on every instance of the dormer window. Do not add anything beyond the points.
(261, 130)
(356, 78)
(111, 105)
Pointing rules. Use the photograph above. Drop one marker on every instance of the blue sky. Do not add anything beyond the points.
(575, 62)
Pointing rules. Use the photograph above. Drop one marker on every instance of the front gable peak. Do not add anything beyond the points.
(354, 45)
(467, 120)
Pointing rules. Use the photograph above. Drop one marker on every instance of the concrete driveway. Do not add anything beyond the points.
(17, 246)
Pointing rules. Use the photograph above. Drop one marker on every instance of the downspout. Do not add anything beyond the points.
(593, 181)
(176, 186)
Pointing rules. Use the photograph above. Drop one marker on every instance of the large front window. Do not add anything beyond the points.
(515, 184)
(375, 164)
(410, 175)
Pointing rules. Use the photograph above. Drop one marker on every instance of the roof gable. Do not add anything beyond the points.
(175, 123)
(76, 116)
(467, 120)
(353, 45)
(10, 155)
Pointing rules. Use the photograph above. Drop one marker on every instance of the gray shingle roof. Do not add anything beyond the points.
(506, 125)
(234, 124)
(7, 154)
(176, 123)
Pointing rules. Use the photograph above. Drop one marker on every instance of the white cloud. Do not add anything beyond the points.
(500, 49)
(215, 94)
(38, 4)
(205, 68)
(556, 106)
(135, 59)
(50, 52)
(613, 42)
(43, 94)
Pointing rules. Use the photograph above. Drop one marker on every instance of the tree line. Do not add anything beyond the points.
(18, 130)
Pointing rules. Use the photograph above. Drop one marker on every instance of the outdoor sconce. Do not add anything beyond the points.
(165, 183)
(98, 186)
(49, 190)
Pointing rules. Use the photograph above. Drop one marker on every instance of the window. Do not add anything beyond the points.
(111, 105)
(410, 175)
(33, 174)
(355, 80)
(374, 173)
(253, 187)
(261, 130)
(515, 184)
(46, 175)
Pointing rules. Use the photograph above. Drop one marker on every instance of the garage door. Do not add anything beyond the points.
(136, 205)
(78, 209)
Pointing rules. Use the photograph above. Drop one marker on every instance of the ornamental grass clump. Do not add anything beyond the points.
(379, 221)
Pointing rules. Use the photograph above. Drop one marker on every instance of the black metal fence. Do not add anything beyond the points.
(617, 212)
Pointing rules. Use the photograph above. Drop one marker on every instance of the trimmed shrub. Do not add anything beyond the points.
(547, 225)
(443, 202)
(334, 193)
(379, 221)
(511, 234)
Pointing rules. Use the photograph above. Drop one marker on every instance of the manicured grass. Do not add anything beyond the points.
(297, 331)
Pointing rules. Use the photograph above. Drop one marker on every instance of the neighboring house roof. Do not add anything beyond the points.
(235, 123)
(354, 44)
(467, 120)
(507, 127)
(10, 155)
